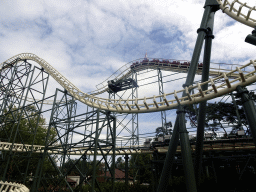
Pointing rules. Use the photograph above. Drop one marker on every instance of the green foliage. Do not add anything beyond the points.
(118, 187)
(24, 126)
(120, 163)
(74, 166)
(177, 183)
(140, 167)
(217, 113)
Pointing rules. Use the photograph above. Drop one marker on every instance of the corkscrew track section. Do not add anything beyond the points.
(154, 103)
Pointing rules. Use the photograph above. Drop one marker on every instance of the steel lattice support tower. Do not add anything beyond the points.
(71, 140)
(161, 92)
(19, 105)
(135, 116)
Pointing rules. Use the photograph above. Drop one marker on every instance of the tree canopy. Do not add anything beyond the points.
(220, 114)
(140, 167)
(23, 126)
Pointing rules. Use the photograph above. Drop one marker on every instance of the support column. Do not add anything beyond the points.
(36, 176)
(249, 109)
(186, 153)
(169, 158)
(95, 151)
(114, 154)
(126, 171)
(135, 116)
(210, 6)
(84, 162)
(161, 92)
(202, 106)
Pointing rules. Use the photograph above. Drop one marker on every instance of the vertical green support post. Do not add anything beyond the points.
(95, 151)
(135, 116)
(126, 170)
(3, 107)
(202, 105)
(36, 176)
(249, 108)
(186, 153)
(237, 113)
(114, 154)
(180, 118)
(169, 158)
(46, 140)
(161, 92)
(38, 118)
(83, 171)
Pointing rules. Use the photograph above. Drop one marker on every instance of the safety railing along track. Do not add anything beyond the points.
(153, 103)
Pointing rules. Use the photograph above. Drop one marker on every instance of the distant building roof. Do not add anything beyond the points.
(119, 175)
(70, 180)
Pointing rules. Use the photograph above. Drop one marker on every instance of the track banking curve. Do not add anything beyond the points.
(239, 11)
(154, 103)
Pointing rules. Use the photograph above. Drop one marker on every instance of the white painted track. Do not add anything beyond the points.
(239, 11)
(22, 148)
(15, 187)
(230, 80)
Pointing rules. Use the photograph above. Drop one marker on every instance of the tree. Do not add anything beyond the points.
(140, 168)
(76, 166)
(120, 164)
(218, 114)
(23, 126)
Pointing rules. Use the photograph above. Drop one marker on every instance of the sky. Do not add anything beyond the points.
(87, 41)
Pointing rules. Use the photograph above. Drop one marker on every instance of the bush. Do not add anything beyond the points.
(119, 187)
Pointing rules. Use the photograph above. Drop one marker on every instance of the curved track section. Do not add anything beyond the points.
(154, 103)
(8, 186)
(239, 11)
(154, 64)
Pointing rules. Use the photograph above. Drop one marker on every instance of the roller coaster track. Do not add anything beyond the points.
(167, 65)
(138, 149)
(4, 146)
(151, 104)
(9, 186)
(235, 9)
(242, 13)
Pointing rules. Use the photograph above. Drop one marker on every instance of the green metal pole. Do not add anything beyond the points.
(169, 158)
(36, 176)
(126, 171)
(202, 106)
(46, 139)
(95, 151)
(190, 79)
(249, 108)
(186, 153)
(15, 71)
(114, 155)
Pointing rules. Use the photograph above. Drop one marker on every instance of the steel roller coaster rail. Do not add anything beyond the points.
(239, 11)
(231, 80)
(223, 82)
(8, 186)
